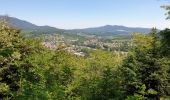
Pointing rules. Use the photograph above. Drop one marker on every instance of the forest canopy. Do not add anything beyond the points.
(30, 70)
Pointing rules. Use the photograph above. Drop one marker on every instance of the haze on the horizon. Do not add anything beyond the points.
(69, 14)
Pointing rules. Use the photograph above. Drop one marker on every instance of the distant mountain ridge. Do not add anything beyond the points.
(112, 29)
(102, 30)
(27, 26)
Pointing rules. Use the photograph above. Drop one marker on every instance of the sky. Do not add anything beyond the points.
(70, 14)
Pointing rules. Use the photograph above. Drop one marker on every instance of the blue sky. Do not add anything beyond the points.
(70, 14)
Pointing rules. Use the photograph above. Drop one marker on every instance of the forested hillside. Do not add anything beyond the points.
(28, 70)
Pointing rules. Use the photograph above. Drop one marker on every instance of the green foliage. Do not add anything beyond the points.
(98, 79)
(165, 42)
(30, 71)
(136, 97)
(9, 44)
(167, 7)
(146, 66)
